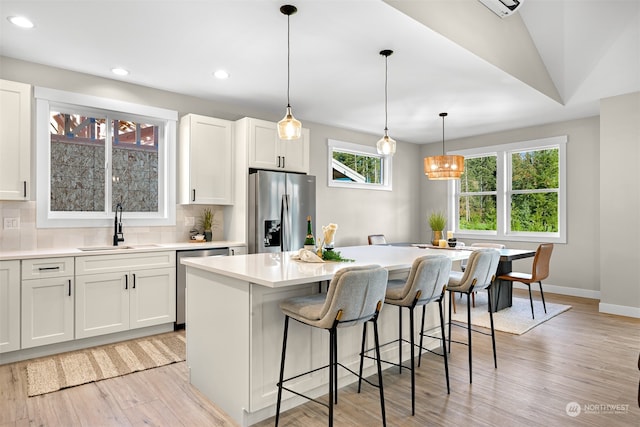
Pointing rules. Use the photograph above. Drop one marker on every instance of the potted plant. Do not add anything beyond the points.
(207, 223)
(437, 222)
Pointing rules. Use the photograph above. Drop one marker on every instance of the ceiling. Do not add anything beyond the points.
(448, 56)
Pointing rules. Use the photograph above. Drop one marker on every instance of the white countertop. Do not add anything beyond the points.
(112, 250)
(278, 269)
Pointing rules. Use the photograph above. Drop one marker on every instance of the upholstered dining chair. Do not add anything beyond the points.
(539, 272)
(377, 239)
(355, 296)
(427, 278)
(479, 274)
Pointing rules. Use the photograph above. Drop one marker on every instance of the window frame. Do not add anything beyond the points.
(342, 146)
(503, 192)
(52, 99)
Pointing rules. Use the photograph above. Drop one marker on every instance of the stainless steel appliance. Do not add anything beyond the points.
(279, 204)
(181, 278)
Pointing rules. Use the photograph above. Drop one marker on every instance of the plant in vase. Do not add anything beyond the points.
(208, 224)
(437, 222)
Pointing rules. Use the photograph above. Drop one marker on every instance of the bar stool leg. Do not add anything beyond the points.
(335, 366)
(413, 370)
(493, 332)
(377, 343)
(451, 295)
(284, 349)
(444, 343)
(362, 347)
(400, 339)
(469, 335)
(332, 362)
(424, 309)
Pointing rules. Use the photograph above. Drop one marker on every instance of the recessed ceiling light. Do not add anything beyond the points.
(221, 74)
(119, 71)
(20, 21)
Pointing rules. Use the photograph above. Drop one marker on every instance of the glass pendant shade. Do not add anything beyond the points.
(444, 167)
(386, 145)
(289, 127)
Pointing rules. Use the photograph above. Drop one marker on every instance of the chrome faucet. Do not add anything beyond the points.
(117, 227)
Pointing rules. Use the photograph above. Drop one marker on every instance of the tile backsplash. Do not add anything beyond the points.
(28, 237)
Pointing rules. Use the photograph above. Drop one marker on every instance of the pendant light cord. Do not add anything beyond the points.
(443, 115)
(386, 83)
(288, 59)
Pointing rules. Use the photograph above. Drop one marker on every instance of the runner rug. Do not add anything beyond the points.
(59, 371)
(514, 320)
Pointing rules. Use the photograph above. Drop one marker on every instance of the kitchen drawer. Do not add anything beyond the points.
(46, 267)
(124, 262)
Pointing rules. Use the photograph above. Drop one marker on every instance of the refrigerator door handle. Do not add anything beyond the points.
(285, 222)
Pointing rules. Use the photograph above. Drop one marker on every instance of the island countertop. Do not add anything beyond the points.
(278, 269)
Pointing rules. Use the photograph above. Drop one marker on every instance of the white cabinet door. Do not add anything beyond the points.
(152, 297)
(9, 306)
(267, 151)
(295, 154)
(206, 160)
(102, 304)
(47, 311)
(15, 140)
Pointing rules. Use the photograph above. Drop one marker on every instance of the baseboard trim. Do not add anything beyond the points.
(620, 310)
(562, 290)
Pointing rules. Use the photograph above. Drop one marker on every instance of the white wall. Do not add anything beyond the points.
(575, 266)
(620, 205)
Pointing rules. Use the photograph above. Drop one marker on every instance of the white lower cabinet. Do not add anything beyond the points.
(9, 306)
(120, 292)
(47, 301)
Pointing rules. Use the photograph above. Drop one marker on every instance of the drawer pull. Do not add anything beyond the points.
(24, 188)
(69, 287)
(48, 268)
(126, 281)
(134, 281)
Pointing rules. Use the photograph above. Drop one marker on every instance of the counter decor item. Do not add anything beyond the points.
(329, 233)
(437, 222)
(208, 223)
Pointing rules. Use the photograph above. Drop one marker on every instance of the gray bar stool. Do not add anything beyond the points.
(479, 274)
(355, 296)
(426, 283)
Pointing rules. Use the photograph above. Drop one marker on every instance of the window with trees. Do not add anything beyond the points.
(512, 192)
(357, 166)
(95, 153)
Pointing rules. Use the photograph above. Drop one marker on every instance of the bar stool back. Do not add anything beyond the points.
(355, 296)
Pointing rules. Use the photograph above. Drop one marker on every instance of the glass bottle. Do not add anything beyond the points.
(309, 241)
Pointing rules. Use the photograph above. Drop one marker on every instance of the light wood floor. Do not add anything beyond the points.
(580, 356)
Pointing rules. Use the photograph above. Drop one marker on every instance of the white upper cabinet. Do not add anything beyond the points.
(267, 151)
(15, 140)
(206, 161)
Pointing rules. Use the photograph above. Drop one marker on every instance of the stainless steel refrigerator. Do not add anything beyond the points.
(279, 204)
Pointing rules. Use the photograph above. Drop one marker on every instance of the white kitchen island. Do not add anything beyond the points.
(234, 325)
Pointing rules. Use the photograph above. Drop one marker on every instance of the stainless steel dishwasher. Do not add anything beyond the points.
(181, 278)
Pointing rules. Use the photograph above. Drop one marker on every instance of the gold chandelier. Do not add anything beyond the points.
(444, 166)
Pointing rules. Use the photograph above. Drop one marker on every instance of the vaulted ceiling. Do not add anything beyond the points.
(552, 60)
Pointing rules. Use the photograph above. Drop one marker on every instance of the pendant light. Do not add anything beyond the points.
(443, 167)
(289, 128)
(386, 145)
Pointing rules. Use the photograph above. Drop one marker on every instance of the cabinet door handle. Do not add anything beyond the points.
(283, 158)
(24, 188)
(126, 281)
(194, 195)
(233, 252)
(48, 268)
(69, 287)
(134, 281)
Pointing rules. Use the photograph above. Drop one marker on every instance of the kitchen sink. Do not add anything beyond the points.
(117, 248)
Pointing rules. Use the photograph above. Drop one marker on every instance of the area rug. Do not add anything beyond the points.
(514, 320)
(59, 371)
